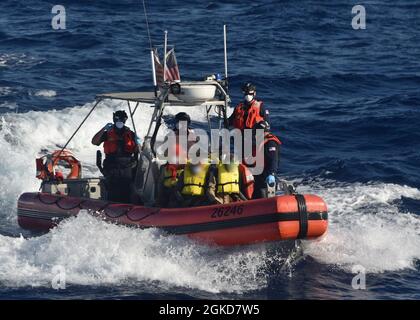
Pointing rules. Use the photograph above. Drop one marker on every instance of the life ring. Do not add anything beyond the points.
(46, 166)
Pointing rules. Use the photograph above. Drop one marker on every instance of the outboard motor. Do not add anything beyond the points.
(285, 188)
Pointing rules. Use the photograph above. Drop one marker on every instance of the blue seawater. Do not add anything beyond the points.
(344, 102)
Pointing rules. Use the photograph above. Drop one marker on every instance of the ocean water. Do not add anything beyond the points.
(344, 102)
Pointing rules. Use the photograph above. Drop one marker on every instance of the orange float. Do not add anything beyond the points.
(45, 166)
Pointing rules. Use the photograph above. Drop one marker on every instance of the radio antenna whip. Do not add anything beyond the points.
(147, 25)
(152, 54)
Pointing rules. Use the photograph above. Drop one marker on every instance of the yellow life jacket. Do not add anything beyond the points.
(227, 181)
(169, 180)
(194, 184)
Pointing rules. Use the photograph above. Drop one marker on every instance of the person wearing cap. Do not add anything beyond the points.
(170, 172)
(121, 148)
(270, 147)
(248, 112)
(181, 117)
(184, 139)
(182, 127)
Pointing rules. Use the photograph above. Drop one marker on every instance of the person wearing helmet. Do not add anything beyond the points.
(182, 122)
(192, 185)
(250, 111)
(182, 116)
(121, 148)
(182, 129)
(230, 182)
(270, 146)
(177, 157)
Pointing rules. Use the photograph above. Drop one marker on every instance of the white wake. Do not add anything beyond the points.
(366, 225)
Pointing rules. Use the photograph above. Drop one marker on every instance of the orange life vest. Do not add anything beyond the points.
(113, 140)
(260, 150)
(247, 181)
(171, 174)
(253, 117)
(181, 149)
(268, 137)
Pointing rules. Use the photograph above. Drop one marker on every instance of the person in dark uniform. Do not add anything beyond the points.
(250, 111)
(121, 147)
(271, 148)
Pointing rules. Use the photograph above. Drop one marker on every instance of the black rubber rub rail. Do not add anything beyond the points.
(247, 221)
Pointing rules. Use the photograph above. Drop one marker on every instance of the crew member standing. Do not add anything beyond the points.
(121, 147)
(248, 112)
(183, 130)
(271, 149)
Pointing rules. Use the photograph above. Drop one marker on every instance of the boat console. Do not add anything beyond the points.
(91, 188)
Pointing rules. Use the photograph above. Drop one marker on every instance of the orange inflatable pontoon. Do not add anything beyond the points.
(278, 218)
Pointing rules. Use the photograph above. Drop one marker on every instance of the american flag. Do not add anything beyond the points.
(171, 72)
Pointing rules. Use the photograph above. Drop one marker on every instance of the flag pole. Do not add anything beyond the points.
(165, 47)
(152, 55)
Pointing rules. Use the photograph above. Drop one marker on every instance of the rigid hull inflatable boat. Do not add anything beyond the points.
(285, 215)
(278, 218)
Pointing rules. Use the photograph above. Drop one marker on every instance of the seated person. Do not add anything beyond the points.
(192, 185)
(230, 182)
(167, 184)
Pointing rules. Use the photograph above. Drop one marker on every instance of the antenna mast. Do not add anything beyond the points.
(152, 55)
(225, 49)
(226, 84)
(165, 49)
